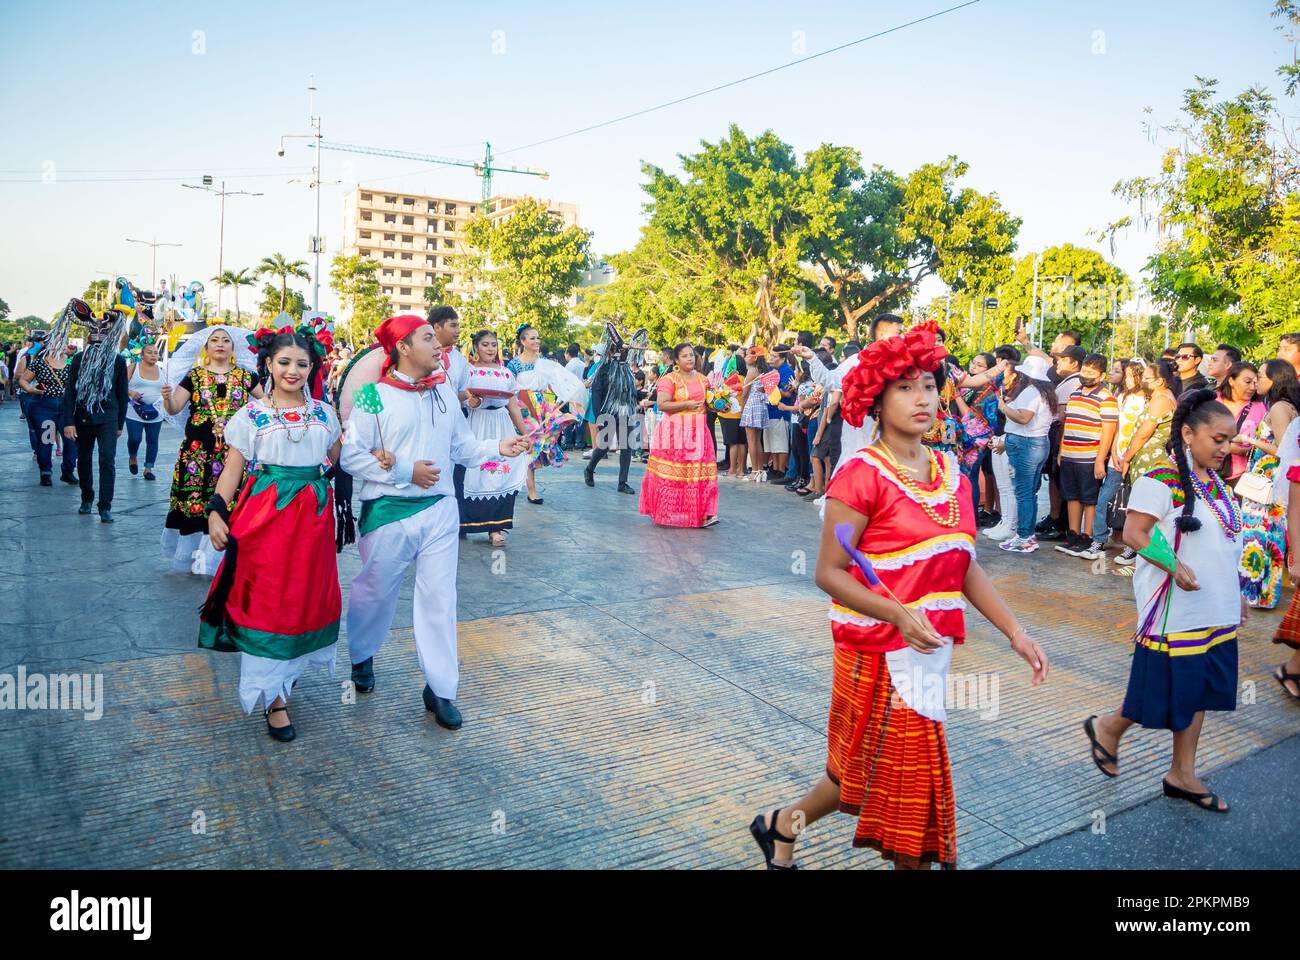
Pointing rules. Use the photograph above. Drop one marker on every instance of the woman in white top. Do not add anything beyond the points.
(1189, 605)
(1029, 405)
(488, 503)
(275, 599)
(535, 378)
(144, 416)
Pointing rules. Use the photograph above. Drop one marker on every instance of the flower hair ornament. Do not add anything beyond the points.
(894, 358)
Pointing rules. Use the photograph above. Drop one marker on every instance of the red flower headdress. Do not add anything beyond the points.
(884, 361)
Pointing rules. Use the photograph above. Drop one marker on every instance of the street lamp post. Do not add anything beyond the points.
(154, 244)
(315, 184)
(221, 234)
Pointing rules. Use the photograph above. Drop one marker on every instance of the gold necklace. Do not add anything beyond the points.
(936, 470)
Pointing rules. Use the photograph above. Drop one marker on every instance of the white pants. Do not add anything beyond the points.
(1006, 492)
(429, 538)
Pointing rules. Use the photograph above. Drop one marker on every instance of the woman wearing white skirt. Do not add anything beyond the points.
(488, 505)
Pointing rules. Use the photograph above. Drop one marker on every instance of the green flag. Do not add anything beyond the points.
(1158, 550)
(368, 400)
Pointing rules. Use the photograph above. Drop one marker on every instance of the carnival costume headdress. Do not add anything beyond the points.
(77, 311)
(893, 358)
(99, 362)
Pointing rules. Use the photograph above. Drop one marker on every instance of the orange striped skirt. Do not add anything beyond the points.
(891, 766)
(1288, 631)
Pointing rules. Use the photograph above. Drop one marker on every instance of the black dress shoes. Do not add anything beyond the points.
(625, 488)
(443, 710)
(105, 516)
(589, 477)
(283, 734)
(85, 509)
(363, 675)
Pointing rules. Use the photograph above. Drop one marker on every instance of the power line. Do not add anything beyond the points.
(733, 83)
(702, 93)
(57, 179)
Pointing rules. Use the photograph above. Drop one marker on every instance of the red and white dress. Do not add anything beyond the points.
(887, 703)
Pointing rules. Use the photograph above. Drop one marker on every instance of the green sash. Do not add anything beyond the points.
(383, 510)
(289, 482)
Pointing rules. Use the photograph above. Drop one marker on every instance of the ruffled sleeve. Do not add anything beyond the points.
(856, 485)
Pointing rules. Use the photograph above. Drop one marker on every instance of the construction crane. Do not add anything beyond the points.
(483, 168)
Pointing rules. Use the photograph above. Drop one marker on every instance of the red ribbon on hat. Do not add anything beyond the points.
(894, 358)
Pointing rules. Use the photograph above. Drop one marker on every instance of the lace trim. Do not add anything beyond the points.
(844, 615)
(923, 551)
(952, 477)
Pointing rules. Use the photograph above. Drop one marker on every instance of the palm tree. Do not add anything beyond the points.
(276, 266)
(236, 279)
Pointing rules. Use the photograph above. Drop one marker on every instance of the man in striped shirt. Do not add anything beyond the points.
(1091, 419)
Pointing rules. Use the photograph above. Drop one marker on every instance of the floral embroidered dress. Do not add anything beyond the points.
(1263, 557)
(214, 399)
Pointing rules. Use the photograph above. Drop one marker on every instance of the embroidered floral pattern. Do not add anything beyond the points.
(214, 399)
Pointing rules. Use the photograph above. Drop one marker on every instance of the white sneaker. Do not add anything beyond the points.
(999, 531)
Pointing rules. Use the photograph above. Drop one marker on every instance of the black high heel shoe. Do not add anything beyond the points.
(283, 734)
(766, 837)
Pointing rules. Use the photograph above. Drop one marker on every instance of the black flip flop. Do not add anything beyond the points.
(1106, 755)
(766, 836)
(1281, 676)
(1178, 793)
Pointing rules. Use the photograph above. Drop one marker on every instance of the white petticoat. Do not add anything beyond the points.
(192, 553)
(500, 476)
(261, 678)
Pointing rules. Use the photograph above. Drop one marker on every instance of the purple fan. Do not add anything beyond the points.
(843, 533)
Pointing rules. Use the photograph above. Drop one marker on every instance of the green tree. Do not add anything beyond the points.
(874, 237)
(1078, 289)
(1227, 203)
(96, 294)
(522, 269)
(273, 298)
(437, 294)
(236, 279)
(276, 266)
(353, 279)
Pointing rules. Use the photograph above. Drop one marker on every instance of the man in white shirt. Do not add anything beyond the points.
(399, 456)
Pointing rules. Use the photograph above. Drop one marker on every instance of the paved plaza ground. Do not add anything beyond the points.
(632, 697)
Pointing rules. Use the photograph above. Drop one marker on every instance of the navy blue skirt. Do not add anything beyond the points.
(1176, 676)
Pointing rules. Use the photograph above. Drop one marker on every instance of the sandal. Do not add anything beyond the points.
(496, 539)
(283, 734)
(711, 521)
(1282, 677)
(766, 837)
(1106, 755)
(1178, 793)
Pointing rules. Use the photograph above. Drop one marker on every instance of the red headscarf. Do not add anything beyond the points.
(392, 331)
(884, 361)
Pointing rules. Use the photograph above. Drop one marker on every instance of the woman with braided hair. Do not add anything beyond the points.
(898, 559)
(275, 598)
(1184, 523)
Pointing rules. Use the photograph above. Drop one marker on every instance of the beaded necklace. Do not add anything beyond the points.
(1229, 519)
(936, 471)
(291, 415)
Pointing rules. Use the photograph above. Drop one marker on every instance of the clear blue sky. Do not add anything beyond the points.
(1015, 87)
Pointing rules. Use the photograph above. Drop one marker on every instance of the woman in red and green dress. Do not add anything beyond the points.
(276, 595)
(897, 558)
(213, 374)
(680, 488)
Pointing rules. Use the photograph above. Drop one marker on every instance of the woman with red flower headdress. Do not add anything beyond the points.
(897, 558)
(276, 599)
